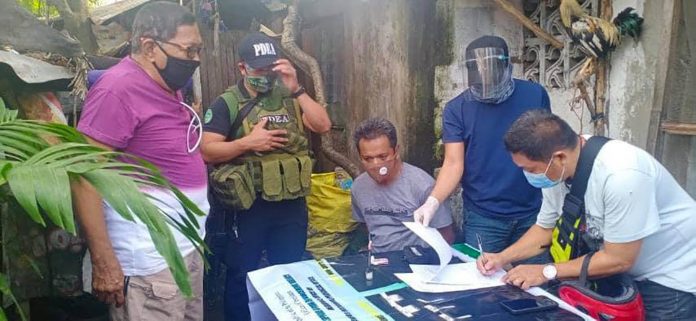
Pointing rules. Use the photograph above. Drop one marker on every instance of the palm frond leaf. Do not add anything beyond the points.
(22, 187)
(7, 115)
(127, 199)
(38, 161)
(5, 290)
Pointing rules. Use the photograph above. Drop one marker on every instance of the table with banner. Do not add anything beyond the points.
(337, 289)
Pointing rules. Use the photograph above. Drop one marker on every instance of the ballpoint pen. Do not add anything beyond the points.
(480, 246)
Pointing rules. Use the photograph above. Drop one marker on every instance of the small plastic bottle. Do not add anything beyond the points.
(343, 180)
(369, 273)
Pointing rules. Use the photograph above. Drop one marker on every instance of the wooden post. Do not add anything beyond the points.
(668, 39)
(600, 97)
(679, 128)
(517, 14)
(216, 30)
(602, 71)
(197, 92)
(579, 82)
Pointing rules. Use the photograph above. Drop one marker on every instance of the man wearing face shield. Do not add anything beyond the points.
(390, 190)
(136, 107)
(499, 204)
(262, 166)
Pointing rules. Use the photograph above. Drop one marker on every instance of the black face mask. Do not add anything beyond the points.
(177, 72)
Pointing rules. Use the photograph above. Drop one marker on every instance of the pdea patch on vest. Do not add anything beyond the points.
(279, 119)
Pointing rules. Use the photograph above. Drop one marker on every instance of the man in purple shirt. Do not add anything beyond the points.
(135, 107)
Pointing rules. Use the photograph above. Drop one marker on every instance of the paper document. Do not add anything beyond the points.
(444, 277)
(453, 277)
(433, 237)
(462, 274)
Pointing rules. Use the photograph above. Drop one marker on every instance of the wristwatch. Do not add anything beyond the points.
(298, 93)
(550, 271)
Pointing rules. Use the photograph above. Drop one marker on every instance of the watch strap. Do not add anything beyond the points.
(298, 93)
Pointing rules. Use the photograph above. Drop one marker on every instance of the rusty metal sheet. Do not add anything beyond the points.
(33, 71)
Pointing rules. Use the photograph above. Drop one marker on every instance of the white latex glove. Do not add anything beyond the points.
(425, 213)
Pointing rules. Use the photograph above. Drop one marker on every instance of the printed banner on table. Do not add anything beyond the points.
(337, 289)
(309, 290)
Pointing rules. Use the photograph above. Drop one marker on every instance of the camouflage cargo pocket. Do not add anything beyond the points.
(271, 181)
(291, 178)
(233, 186)
(305, 173)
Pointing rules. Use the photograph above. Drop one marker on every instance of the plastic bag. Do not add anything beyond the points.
(330, 218)
(329, 205)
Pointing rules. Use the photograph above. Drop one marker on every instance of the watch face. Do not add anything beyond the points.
(549, 272)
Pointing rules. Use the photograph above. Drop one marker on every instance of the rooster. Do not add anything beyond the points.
(598, 36)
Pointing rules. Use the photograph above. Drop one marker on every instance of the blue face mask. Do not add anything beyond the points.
(540, 180)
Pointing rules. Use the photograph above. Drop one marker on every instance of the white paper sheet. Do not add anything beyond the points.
(433, 237)
(461, 274)
(453, 277)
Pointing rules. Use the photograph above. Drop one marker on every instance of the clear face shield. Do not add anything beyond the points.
(488, 71)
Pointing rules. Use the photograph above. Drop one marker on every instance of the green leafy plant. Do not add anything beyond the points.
(38, 8)
(42, 8)
(5, 290)
(39, 162)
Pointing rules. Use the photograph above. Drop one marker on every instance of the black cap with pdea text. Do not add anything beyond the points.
(258, 50)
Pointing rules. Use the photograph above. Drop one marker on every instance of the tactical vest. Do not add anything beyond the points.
(569, 235)
(277, 175)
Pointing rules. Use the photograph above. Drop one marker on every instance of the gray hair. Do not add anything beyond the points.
(159, 20)
(373, 128)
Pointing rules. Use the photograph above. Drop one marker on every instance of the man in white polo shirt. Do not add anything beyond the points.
(644, 221)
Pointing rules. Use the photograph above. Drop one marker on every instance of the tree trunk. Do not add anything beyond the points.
(75, 14)
(310, 65)
(24, 32)
(82, 30)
